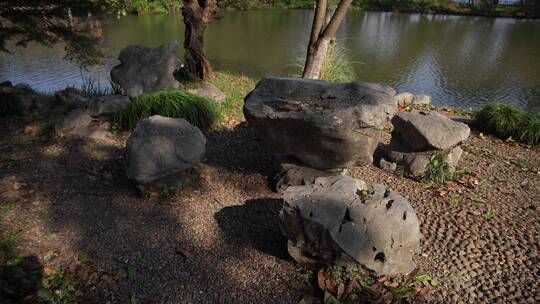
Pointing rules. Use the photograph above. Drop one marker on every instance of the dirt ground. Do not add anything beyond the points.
(217, 239)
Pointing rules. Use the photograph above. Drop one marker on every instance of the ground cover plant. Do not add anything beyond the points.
(198, 111)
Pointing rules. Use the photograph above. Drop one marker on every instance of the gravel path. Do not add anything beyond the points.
(218, 241)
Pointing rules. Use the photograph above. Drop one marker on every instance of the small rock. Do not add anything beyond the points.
(403, 99)
(106, 105)
(210, 91)
(422, 99)
(387, 166)
(71, 97)
(75, 122)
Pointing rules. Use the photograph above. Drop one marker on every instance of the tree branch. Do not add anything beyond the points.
(337, 18)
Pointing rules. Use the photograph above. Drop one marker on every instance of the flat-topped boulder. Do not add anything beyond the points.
(423, 130)
(325, 125)
(421, 136)
(143, 69)
(342, 220)
(162, 146)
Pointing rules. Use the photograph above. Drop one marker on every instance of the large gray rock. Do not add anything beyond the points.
(143, 69)
(344, 221)
(162, 146)
(107, 105)
(324, 125)
(423, 130)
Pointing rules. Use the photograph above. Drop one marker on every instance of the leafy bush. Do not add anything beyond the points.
(11, 99)
(504, 121)
(529, 129)
(501, 120)
(198, 111)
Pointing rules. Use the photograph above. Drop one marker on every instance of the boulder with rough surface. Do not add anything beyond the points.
(342, 220)
(71, 97)
(420, 136)
(324, 125)
(143, 69)
(161, 146)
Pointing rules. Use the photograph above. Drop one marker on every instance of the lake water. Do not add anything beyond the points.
(460, 61)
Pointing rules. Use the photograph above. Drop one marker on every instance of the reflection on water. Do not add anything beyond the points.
(460, 61)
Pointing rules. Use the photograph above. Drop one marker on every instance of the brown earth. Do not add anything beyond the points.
(217, 239)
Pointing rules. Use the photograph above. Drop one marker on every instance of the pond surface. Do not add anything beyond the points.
(460, 61)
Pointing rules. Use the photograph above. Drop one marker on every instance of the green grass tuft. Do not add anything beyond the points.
(504, 121)
(200, 112)
(439, 171)
(501, 120)
(529, 129)
(338, 66)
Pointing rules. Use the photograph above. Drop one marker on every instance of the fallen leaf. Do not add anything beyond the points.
(340, 291)
(331, 285)
(321, 279)
(48, 270)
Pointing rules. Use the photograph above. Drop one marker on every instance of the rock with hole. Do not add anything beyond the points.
(325, 125)
(161, 147)
(342, 220)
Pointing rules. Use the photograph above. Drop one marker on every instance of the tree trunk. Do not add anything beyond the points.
(322, 36)
(197, 16)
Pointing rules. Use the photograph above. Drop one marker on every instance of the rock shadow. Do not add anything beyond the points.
(256, 224)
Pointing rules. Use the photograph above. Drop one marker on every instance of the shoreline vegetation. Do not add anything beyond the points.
(523, 9)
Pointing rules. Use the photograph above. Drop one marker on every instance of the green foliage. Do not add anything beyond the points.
(501, 120)
(91, 87)
(338, 66)
(504, 121)
(200, 112)
(439, 171)
(529, 129)
(235, 87)
(11, 99)
(145, 7)
(488, 214)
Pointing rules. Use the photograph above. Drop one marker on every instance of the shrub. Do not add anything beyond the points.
(11, 99)
(198, 111)
(501, 120)
(529, 129)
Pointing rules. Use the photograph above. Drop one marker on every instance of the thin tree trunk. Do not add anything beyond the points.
(322, 36)
(197, 16)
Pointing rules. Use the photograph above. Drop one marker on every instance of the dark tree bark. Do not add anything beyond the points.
(322, 35)
(197, 15)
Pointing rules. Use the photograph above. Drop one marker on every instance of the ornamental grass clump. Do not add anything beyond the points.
(506, 121)
(529, 129)
(501, 120)
(200, 112)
